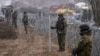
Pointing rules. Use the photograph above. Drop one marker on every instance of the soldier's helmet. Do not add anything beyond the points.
(85, 29)
(14, 11)
(61, 17)
(24, 12)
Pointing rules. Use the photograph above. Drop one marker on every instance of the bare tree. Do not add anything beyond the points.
(96, 10)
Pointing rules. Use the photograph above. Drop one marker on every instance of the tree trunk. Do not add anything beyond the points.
(96, 10)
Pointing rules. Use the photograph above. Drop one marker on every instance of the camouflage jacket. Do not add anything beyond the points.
(85, 46)
(25, 19)
(63, 31)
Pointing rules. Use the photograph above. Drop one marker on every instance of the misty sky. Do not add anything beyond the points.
(42, 3)
(46, 3)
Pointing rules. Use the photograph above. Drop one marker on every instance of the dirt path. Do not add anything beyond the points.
(30, 44)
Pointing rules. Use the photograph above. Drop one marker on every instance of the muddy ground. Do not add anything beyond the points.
(14, 42)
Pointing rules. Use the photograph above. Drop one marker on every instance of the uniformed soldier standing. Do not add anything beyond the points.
(87, 15)
(85, 45)
(84, 16)
(14, 19)
(7, 15)
(3, 11)
(61, 31)
(25, 22)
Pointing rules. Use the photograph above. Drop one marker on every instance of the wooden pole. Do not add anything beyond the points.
(49, 34)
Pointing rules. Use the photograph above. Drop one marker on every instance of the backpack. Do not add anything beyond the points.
(60, 25)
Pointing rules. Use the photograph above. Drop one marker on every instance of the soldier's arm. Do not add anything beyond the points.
(89, 46)
(52, 27)
(65, 23)
(80, 47)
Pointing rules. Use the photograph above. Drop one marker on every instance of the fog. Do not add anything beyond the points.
(40, 24)
(35, 3)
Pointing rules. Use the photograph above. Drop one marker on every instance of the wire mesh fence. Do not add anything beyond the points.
(41, 26)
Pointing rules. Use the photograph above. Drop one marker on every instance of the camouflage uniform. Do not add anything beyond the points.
(85, 45)
(61, 38)
(25, 22)
(85, 16)
(14, 19)
(7, 16)
(61, 34)
(3, 11)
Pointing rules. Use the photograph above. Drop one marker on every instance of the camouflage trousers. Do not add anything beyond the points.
(26, 27)
(14, 23)
(61, 41)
